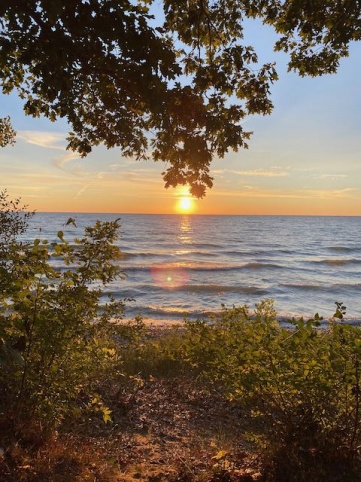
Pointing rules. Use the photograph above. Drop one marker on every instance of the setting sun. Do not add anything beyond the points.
(185, 205)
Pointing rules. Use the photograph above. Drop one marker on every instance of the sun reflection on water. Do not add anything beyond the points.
(185, 235)
(173, 275)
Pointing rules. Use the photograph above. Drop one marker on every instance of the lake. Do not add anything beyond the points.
(189, 265)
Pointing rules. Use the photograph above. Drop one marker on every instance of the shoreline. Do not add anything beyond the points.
(160, 323)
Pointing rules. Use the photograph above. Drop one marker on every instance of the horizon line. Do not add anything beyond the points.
(196, 214)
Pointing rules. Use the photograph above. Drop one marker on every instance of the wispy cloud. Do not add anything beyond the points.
(114, 177)
(262, 173)
(49, 140)
(61, 161)
(21, 187)
(349, 193)
(36, 196)
(141, 175)
(82, 190)
(333, 177)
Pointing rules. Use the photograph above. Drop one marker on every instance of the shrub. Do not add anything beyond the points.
(57, 340)
(300, 386)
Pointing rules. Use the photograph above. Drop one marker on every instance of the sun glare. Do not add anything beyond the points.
(185, 205)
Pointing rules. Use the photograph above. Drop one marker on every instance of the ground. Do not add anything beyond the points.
(163, 429)
(175, 431)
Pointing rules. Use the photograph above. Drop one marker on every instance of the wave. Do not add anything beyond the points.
(337, 288)
(207, 245)
(188, 288)
(348, 286)
(167, 314)
(256, 265)
(202, 267)
(127, 255)
(246, 253)
(306, 287)
(181, 267)
(338, 262)
(124, 255)
(343, 249)
(189, 252)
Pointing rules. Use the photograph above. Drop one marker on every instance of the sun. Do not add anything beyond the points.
(185, 205)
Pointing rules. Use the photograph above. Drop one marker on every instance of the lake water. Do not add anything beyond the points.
(182, 265)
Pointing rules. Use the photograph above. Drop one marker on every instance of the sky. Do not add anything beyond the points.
(303, 159)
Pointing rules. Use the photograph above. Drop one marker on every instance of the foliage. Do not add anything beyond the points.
(300, 386)
(315, 34)
(158, 355)
(13, 219)
(179, 84)
(7, 133)
(57, 338)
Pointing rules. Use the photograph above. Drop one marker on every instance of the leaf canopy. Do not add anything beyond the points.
(174, 86)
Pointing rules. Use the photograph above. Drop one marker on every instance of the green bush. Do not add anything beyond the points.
(58, 342)
(300, 386)
(160, 354)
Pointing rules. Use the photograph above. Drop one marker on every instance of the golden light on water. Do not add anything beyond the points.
(171, 276)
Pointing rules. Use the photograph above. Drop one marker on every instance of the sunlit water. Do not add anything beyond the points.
(180, 266)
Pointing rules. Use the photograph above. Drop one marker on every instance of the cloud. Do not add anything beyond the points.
(22, 187)
(61, 161)
(82, 190)
(37, 196)
(346, 193)
(145, 176)
(49, 140)
(262, 173)
(109, 179)
(333, 177)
